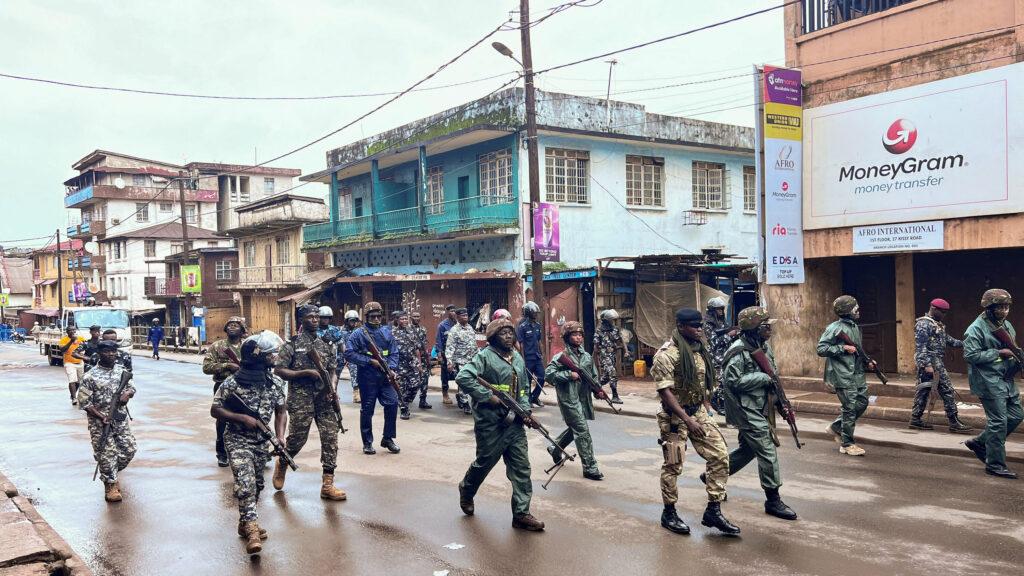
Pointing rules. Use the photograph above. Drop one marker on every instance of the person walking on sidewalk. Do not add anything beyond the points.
(95, 396)
(310, 400)
(685, 375)
(247, 448)
(719, 337)
(223, 359)
(528, 335)
(155, 337)
(503, 367)
(844, 372)
(441, 342)
(930, 342)
(421, 338)
(373, 379)
(351, 325)
(748, 396)
(574, 399)
(607, 344)
(991, 366)
(74, 367)
(459, 350)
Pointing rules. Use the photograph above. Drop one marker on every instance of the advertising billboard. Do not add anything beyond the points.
(783, 130)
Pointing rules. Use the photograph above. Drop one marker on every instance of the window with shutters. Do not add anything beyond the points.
(496, 177)
(435, 190)
(249, 250)
(645, 181)
(149, 285)
(190, 213)
(749, 189)
(709, 186)
(142, 212)
(567, 176)
(150, 248)
(283, 246)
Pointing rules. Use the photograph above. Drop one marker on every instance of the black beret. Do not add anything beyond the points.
(689, 316)
(106, 345)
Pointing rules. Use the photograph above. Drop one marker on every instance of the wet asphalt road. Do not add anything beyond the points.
(892, 512)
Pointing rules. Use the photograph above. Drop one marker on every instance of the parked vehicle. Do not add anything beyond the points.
(106, 317)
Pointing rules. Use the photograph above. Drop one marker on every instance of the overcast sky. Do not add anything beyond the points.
(264, 48)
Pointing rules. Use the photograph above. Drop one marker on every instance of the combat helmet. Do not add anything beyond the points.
(751, 318)
(844, 305)
(570, 327)
(995, 297)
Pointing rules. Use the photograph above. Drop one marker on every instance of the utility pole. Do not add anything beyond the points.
(534, 163)
(3, 270)
(608, 94)
(60, 283)
(184, 247)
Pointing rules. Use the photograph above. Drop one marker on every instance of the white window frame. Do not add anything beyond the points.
(249, 252)
(167, 206)
(222, 270)
(268, 186)
(709, 189)
(142, 211)
(495, 177)
(283, 247)
(567, 176)
(435, 190)
(149, 248)
(749, 189)
(645, 181)
(177, 248)
(345, 203)
(117, 251)
(191, 213)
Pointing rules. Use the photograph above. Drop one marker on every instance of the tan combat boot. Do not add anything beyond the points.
(852, 450)
(280, 469)
(331, 492)
(356, 399)
(445, 399)
(242, 533)
(253, 545)
(112, 492)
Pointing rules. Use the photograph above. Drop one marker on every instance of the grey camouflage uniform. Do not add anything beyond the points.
(606, 345)
(248, 453)
(410, 366)
(97, 390)
(306, 401)
(352, 368)
(421, 335)
(930, 342)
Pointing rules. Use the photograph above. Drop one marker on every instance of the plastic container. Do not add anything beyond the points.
(639, 369)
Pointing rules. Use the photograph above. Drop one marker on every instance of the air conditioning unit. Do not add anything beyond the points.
(695, 218)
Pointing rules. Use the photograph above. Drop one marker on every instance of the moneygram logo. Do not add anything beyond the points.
(784, 162)
(900, 137)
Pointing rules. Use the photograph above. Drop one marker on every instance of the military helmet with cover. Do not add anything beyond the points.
(570, 327)
(752, 317)
(844, 305)
(373, 307)
(351, 315)
(609, 314)
(995, 297)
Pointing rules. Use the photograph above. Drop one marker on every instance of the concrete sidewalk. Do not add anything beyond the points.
(28, 545)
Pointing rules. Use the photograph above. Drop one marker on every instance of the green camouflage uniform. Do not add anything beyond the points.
(306, 400)
(247, 451)
(97, 390)
(495, 441)
(575, 402)
(991, 380)
(748, 408)
(691, 396)
(844, 372)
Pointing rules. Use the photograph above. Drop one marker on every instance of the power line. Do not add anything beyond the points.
(631, 213)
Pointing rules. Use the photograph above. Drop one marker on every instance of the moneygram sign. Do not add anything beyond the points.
(946, 149)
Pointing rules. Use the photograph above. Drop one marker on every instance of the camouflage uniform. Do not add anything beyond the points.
(247, 451)
(421, 337)
(353, 370)
(607, 342)
(931, 340)
(410, 365)
(674, 433)
(217, 363)
(97, 390)
(717, 335)
(460, 350)
(307, 401)
(335, 338)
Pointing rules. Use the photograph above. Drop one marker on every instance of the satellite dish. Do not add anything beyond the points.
(92, 247)
(119, 183)
(93, 288)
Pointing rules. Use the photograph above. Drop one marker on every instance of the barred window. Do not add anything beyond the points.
(567, 174)
(496, 177)
(223, 269)
(645, 181)
(749, 189)
(142, 212)
(435, 190)
(708, 186)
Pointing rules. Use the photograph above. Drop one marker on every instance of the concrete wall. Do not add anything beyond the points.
(226, 217)
(803, 311)
(295, 255)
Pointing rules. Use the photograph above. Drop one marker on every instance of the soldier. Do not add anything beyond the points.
(574, 400)
(748, 394)
(223, 359)
(309, 399)
(442, 340)
(247, 449)
(459, 350)
(930, 342)
(95, 397)
(421, 337)
(719, 337)
(89, 351)
(607, 343)
(844, 372)
(991, 365)
(502, 366)
(124, 359)
(528, 336)
(410, 362)
(684, 375)
(351, 325)
(373, 380)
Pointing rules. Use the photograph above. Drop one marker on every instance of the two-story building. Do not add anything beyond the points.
(436, 212)
(273, 273)
(912, 168)
(183, 289)
(16, 281)
(56, 277)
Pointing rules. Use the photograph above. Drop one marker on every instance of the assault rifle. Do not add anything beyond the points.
(1003, 335)
(782, 403)
(845, 338)
(231, 356)
(112, 415)
(564, 360)
(328, 388)
(514, 410)
(237, 405)
(371, 347)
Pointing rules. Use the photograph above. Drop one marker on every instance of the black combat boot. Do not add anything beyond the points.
(978, 448)
(405, 415)
(774, 506)
(391, 445)
(713, 518)
(465, 502)
(918, 424)
(423, 403)
(556, 455)
(1001, 471)
(615, 395)
(527, 522)
(958, 427)
(670, 521)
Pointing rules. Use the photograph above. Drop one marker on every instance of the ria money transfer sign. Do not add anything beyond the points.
(946, 149)
(782, 127)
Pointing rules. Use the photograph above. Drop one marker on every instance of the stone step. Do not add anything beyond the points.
(891, 409)
(899, 386)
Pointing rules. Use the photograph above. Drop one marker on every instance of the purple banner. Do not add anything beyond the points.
(782, 86)
(545, 232)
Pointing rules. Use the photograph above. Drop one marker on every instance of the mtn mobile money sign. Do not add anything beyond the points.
(783, 131)
(946, 149)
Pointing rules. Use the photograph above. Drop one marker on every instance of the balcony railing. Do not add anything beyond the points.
(85, 262)
(164, 287)
(256, 276)
(86, 229)
(465, 214)
(820, 14)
